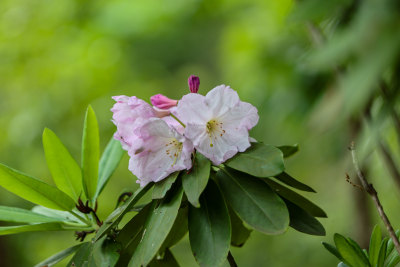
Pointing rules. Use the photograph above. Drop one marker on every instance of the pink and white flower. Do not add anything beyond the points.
(218, 124)
(159, 151)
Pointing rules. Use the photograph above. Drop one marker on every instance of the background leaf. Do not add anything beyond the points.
(56, 258)
(64, 169)
(109, 161)
(374, 245)
(240, 233)
(167, 261)
(253, 201)
(90, 154)
(51, 226)
(81, 257)
(259, 160)
(196, 180)
(288, 150)
(162, 187)
(11, 214)
(34, 190)
(290, 181)
(351, 256)
(210, 228)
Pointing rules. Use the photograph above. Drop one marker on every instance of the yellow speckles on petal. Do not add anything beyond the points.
(214, 130)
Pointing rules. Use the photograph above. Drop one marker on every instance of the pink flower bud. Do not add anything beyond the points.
(194, 83)
(162, 102)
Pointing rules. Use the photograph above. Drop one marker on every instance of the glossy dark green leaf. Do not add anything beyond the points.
(162, 187)
(240, 233)
(116, 216)
(295, 198)
(158, 224)
(196, 180)
(90, 154)
(351, 256)
(105, 253)
(65, 171)
(259, 160)
(210, 228)
(11, 214)
(109, 161)
(332, 250)
(39, 227)
(56, 258)
(253, 201)
(168, 260)
(390, 245)
(374, 245)
(82, 256)
(382, 253)
(288, 150)
(178, 231)
(304, 222)
(34, 190)
(290, 181)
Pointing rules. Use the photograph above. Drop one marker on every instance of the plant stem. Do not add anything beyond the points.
(369, 188)
(178, 120)
(231, 260)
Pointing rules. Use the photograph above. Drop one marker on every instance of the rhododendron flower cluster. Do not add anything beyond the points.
(162, 138)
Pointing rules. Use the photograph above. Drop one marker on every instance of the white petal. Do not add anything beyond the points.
(221, 99)
(242, 115)
(192, 108)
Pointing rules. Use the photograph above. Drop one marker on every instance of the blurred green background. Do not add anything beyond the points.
(313, 69)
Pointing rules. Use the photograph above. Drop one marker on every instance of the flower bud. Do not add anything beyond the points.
(194, 83)
(162, 102)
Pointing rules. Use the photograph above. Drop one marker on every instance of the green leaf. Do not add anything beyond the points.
(290, 181)
(332, 250)
(11, 214)
(116, 216)
(34, 190)
(382, 253)
(51, 226)
(240, 233)
(105, 253)
(374, 245)
(158, 224)
(341, 264)
(253, 201)
(288, 150)
(65, 171)
(295, 198)
(259, 160)
(167, 261)
(393, 260)
(162, 187)
(90, 154)
(304, 222)
(178, 231)
(210, 228)
(56, 258)
(81, 257)
(109, 161)
(196, 181)
(390, 245)
(351, 256)
(58, 215)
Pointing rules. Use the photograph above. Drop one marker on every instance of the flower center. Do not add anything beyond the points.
(214, 129)
(173, 150)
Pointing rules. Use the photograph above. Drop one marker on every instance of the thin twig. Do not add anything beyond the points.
(231, 260)
(374, 195)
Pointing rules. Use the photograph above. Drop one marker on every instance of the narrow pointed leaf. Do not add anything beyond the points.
(259, 160)
(90, 154)
(56, 258)
(393, 260)
(297, 199)
(374, 245)
(52, 226)
(178, 231)
(288, 150)
(304, 222)
(351, 256)
(162, 187)
(210, 228)
(196, 180)
(56, 214)
(82, 255)
(167, 261)
(341, 264)
(332, 249)
(382, 253)
(390, 245)
(290, 181)
(240, 233)
(105, 253)
(253, 201)
(116, 216)
(65, 171)
(158, 224)
(34, 190)
(109, 161)
(11, 214)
